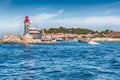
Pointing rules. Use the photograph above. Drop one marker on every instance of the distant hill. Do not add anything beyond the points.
(70, 30)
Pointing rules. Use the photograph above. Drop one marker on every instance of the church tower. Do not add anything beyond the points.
(26, 25)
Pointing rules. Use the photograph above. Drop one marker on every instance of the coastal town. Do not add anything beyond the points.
(55, 35)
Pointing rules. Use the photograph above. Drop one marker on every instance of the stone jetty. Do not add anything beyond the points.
(24, 39)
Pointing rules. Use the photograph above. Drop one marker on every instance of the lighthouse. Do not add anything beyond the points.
(26, 25)
(35, 33)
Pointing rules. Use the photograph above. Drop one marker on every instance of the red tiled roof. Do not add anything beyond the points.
(114, 34)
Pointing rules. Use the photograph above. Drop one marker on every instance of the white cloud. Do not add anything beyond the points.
(41, 9)
(109, 11)
(46, 16)
(14, 25)
(102, 20)
(96, 23)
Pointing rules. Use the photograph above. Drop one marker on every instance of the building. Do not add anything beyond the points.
(113, 34)
(35, 33)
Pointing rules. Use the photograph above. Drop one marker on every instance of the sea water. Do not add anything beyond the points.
(65, 61)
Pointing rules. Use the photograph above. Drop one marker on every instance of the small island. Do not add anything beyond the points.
(54, 35)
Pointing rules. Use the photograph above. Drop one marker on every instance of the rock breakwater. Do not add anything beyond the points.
(23, 39)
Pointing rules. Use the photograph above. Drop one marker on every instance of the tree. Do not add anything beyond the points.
(70, 30)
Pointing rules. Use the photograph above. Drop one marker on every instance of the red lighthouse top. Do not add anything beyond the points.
(26, 19)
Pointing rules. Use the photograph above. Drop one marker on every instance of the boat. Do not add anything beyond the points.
(93, 42)
(84, 39)
(59, 39)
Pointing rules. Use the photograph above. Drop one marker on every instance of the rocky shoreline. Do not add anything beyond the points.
(27, 39)
(24, 39)
(100, 39)
(106, 39)
(28, 42)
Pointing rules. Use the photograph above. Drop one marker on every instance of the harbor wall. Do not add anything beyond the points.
(23, 39)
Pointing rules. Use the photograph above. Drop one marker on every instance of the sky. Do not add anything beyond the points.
(92, 14)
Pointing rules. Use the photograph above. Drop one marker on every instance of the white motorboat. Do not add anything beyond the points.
(93, 42)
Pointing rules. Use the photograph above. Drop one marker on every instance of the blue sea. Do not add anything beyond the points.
(65, 61)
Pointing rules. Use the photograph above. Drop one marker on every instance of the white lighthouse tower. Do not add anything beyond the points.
(26, 25)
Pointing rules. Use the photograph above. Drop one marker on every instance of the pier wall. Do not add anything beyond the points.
(23, 39)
